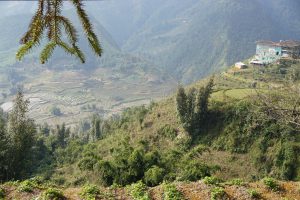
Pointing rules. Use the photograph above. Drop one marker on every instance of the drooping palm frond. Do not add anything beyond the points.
(48, 17)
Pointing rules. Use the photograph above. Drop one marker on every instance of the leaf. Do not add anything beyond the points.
(47, 52)
(24, 49)
(69, 29)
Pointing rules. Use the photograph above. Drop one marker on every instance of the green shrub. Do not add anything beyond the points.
(2, 193)
(237, 181)
(210, 180)
(154, 176)
(139, 191)
(27, 186)
(87, 163)
(168, 132)
(89, 192)
(271, 183)
(194, 170)
(217, 193)
(55, 111)
(53, 194)
(171, 192)
(253, 193)
(106, 172)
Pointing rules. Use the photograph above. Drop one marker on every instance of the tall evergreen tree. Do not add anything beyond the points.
(3, 147)
(96, 128)
(21, 130)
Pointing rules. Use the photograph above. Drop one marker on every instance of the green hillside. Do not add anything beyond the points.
(248, 131)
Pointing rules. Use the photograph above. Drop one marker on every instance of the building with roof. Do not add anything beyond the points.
(240, 65)
(268, 52)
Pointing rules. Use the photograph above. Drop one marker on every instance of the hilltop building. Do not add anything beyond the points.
(240, 65)
(268, 52)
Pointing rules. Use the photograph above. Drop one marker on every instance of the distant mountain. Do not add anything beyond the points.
(193, 38)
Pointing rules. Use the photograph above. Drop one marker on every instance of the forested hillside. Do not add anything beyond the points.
(229, 131)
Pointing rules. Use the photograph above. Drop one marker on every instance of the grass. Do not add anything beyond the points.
(253, 193)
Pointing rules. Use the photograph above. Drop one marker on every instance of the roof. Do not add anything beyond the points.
(286, 43)
(240, 63)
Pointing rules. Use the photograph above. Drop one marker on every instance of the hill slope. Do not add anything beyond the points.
(237, 145)
(194, 38)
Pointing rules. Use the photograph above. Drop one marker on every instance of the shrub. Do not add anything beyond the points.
(26, 186)
(53, 194)
(253, 193)
(2, 193)
(171, 192)
(106, 171)
(271, 183)
(194, 170)
(55, 111)
(237, 182)
(89, 192)
(210, 180)
(168, 132)
(217, 193)
(154, 176)
(87, 163)
(139, 191)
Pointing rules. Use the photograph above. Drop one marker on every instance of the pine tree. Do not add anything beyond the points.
(96, 128)
(48, 18)
(62, 133)
(3, 147)
(21, 131)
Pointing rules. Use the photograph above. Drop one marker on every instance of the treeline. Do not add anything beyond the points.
(113, 151)
(27, 148)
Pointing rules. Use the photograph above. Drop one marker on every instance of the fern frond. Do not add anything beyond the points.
(47, 52)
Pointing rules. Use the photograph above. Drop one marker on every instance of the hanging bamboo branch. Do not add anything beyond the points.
(48, 18)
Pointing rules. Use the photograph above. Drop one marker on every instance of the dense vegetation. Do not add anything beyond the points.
(178, 139)
(259, 127)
